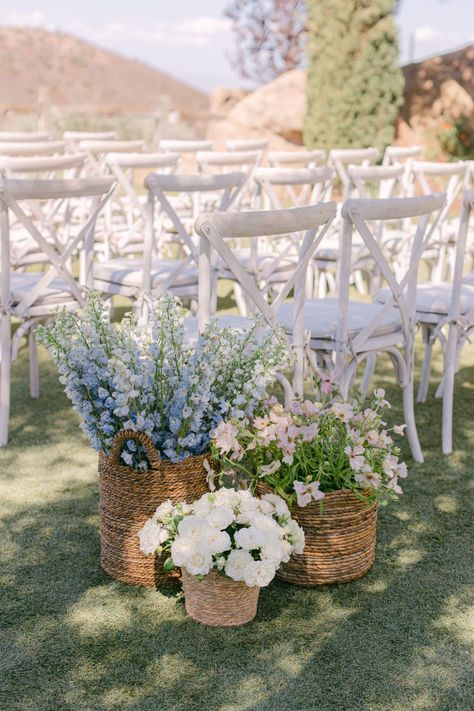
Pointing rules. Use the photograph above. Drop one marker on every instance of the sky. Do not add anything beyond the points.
(190, 39)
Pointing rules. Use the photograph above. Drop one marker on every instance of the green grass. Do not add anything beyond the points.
(400, 639)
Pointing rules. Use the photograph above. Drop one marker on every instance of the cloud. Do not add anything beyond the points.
(193, 31)
(36, 18)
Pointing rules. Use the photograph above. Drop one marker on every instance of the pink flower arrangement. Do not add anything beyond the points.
(312, 447)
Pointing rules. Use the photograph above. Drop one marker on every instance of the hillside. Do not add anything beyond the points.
(80, 73)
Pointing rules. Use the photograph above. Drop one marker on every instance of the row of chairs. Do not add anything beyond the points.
(333, 332)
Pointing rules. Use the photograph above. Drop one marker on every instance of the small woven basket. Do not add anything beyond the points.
(129, 497)
(340, 542)
(219, 601)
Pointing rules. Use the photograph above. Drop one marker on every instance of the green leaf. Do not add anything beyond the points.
(168, 565)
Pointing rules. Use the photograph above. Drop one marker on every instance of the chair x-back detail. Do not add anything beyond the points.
(33, 296)
(217, 231)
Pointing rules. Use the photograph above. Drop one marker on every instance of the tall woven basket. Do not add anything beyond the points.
(340, 542)
(129, 497)
(219, 601)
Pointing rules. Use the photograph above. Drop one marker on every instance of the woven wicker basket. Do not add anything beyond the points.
(340, 542)
(129, 497)
(219, 601)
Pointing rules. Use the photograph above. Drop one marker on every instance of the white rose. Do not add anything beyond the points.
(216, 541)
(220, 517)
(248, 502)
(202, 507)
(181, 549)
(249, 538)
(199, 562)
(276, 551)
(192, 527)
(280, 504)
(266, 508)
(247, 517)
(236, 564)
(150, 536)
(260, 573)
(164, 509)
(295, 535)
(227, 497)
(267, 524)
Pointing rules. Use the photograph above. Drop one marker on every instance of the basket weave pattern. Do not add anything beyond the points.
(219, 601)
(129, 497)
(340, 543)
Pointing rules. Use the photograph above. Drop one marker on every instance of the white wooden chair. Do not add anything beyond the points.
(125, 214)
(24, 249)
(33, 296)
(400, 154)
(175, 145)
(343, 332)
(247, 144)
(73, 138)
(32, 148)
(340, 158)
(296, 159)
(97, 151)
(219, 230)
(28, 136)
(148, 277)
(450, 177)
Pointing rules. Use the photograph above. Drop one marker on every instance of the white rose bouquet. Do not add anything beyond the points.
(243, 537)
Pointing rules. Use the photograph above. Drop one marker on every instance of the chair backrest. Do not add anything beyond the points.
(340, 158)
(467, 209)
(226, 161)
(31, 148)
(125, 214)
(431, 176)
(58, 239)
(90, 135)
(218, 230)
(357, 215)
(292, 187)
(44, 166)
(376, 181)
(247, 144)
(167, 190)
(183, 146)
(28, 136)
(303, 159)
(400, 154)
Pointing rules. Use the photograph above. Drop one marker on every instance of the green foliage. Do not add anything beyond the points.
(355, 85)
(456, 139)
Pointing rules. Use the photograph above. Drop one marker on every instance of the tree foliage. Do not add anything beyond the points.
(355, 85)
(269, 37)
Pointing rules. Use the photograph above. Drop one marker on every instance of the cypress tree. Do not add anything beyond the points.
(355, 84)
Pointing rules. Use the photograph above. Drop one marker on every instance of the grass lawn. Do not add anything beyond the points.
(400, 639)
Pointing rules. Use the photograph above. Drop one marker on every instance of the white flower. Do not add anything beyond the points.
(220, 517)
(356, 460)
(248, 502)
(210, 475)
(181, 549)
(249, 538)
(402, 470)
(266, 507)
(202, 507)
(164, 509)
(271, 468)
(199, 562)
(259, 573)
(193, 527)
(277, 551)
(216, 541)
(343, 411)
(266, 524)
(394, 486)
(227, 497)
(237, 562)
(399, 429)
(151, 535)
(280, 504)
(295, 535)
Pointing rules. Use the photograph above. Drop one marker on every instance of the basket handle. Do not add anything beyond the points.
(140, 438)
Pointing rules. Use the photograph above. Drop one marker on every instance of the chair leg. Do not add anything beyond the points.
(240, 300)
(448, 389)
(426, 368)
(409, 413)
(5, 370)
(33, 357)
(368, 373)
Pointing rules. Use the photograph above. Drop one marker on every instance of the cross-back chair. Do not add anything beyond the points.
(154, 273)
(219, 231)
(73, 138)
(97, 152)
(340, 158)
(19, 136)
(31, 148)
(296, 159)
(30, 297)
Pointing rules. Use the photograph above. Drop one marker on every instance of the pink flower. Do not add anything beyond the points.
(271, 468)
(399, 429)
(306, 492)
(367, 478)
(225, 438)
(343, 411)
(356, 460)
(327, 386)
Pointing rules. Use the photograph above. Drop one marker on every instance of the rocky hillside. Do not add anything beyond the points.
(437, 88)
(80, 73)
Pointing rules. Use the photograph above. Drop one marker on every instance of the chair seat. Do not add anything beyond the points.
(129, 272)
(57, 292)
(321, 317)
(433, 298)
